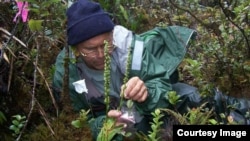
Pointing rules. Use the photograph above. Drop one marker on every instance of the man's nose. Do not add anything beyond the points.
(100, 51)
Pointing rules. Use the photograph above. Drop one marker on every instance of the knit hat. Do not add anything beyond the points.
(86, 19)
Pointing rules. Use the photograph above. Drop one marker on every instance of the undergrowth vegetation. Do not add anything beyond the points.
(218, 58)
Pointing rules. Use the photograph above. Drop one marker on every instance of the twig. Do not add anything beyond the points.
(50, 92)
(42, 112)
(237, 26)
(32, 95)
(10, 74)
(46, 82)
(189, 12)
(14, 37)
(211, 26)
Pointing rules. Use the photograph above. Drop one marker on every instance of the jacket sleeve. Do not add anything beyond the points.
(156, 78)
(155, 56)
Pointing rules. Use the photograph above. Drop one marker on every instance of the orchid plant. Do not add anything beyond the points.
(110, 129)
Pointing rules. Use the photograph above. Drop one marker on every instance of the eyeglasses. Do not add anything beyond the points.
(94, 52)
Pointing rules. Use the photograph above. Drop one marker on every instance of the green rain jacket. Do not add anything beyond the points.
(156, 54)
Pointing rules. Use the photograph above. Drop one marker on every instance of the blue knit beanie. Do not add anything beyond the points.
(86, 19)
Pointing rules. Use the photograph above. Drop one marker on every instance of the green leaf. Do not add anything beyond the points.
(124, 12)
(76, 123)
(15, 122)
(13, 127)
(213, 121)
(2, 118)
(17, 131)
(152, 136)
(155, 120)
(153, 127)
(23, 117)
(157, 112)
(35, 25)
(129, 104)
(20, 125)
(18, 117)
(34, 10)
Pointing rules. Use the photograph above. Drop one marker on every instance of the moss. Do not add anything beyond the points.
(62, 129)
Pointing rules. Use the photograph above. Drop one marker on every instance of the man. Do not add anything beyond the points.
(155, 56)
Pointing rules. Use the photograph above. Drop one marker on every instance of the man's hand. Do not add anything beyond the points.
(117, 114)
(135, 90)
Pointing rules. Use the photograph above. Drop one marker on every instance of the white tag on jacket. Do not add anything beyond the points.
(137, 55)
(80, 86)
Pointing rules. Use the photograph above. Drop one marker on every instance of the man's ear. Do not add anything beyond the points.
(75, 51)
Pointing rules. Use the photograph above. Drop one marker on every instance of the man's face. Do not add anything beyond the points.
(92, 50)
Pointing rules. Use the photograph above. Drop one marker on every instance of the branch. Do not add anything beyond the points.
(212, 26)
(33, 101)
(14, 37)
(241, 30)
(189, 12)
(46, 82)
